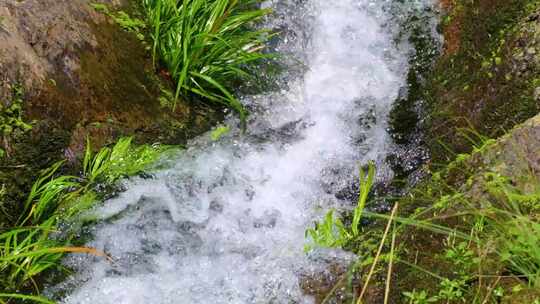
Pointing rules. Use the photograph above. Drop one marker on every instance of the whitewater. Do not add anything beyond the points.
(224, 220)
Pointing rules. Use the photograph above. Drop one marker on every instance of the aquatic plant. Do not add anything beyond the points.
(365, 186)
(219, 132)
(330, 232)
(207, 46)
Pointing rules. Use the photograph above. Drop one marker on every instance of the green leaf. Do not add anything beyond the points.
(219, 132)
(100, 7)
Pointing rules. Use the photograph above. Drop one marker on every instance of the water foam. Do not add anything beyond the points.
(225, 223)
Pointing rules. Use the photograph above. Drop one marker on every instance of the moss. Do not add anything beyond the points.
(12, 124)
(526, 295)
(471, 181)
(479, 83)
(114, 92)
(43, 146)
(481, 86)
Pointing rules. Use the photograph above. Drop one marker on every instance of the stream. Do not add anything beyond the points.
(224, 220)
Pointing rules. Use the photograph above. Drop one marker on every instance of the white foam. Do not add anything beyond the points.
(226, 223)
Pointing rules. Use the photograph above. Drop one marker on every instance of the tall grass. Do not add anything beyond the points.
(515, 225)
(46, 194)
(500, 229)
(519, 247)
(208, 46)
(34, 246)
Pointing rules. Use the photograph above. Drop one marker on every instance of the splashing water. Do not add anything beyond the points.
(225, 222)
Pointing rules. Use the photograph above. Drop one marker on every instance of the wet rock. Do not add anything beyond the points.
(42, 38)
(216, 206)
(285, 134)
(83, 74)
(368, 119)
(516, 156)
(268, 220)
(320, 284)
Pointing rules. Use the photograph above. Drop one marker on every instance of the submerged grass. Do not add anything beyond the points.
(35, 246)
(208, 46)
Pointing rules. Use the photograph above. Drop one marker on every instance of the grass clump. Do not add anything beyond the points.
(331, 232)
(35, 245)
(208, 47)
(480, 246)
(491, 247)
(515, 224)
(110, 164)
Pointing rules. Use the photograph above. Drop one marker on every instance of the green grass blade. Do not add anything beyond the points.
(37, 299)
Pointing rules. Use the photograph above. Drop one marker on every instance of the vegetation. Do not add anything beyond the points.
(488, 230)
(208, 47)
(11, 120)
(491, 244)
(34, 246)
(219, 132)
(466, 235)
(331, 232)
(485, 66)
(124, 20)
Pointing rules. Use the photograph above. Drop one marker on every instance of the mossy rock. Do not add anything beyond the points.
(83, 76)
(515, 156)
(486, 78)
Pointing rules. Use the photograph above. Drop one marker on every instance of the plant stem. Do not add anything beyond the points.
(390, 264)
(378, 255)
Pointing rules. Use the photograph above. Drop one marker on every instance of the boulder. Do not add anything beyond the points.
(82, 74)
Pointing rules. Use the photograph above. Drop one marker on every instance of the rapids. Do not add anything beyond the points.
(224, 221)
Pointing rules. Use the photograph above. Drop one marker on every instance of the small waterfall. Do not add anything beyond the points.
(224, 221)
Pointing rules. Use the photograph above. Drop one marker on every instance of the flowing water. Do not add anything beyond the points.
(224, 221)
